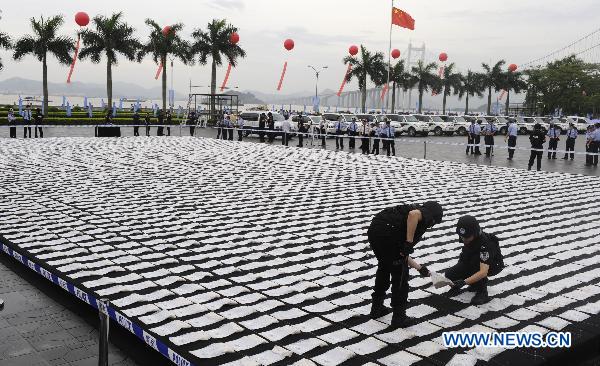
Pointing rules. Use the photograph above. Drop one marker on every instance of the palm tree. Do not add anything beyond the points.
(111, 37)
(451, 80)
(399, 78)
(471, 86)
(161, 45)
(215, 43)
(45, 40)
(425, 78)
(492, 79)
(368, 65)
(513, 81)
(4, 43)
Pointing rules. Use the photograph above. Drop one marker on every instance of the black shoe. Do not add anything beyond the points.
(565, 158)
(508, 158)
(480, 298)
(528, 168)
(454, 292)
(378, 310)
(400, 320)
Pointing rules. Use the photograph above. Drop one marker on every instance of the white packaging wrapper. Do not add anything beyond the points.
(439, 280)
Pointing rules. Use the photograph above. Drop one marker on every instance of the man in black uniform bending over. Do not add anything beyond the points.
(479, 259)
(392, 235)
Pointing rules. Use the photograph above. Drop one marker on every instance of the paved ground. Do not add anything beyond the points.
(438, 148)
(36, 330)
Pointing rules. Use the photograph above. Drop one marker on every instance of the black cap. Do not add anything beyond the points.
(537, 126)
(435, 212)
(467, 226)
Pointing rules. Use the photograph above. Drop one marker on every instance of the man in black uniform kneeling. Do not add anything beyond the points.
(392, 235)
(480, 258)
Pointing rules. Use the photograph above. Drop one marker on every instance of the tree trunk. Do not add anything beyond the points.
(444, 102)
(363, 99)
(164, 83)
(489, 106)
(420, 99)
(507, 101)
(109, 93)
(393, 96)
(45, 86)
(213, 88)
(467, 104)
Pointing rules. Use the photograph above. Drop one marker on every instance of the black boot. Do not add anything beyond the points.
(399, 318)
(481, 297)
(379, 310)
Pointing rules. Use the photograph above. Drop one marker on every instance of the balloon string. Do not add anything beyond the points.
(226, 77)
(344, 81)
(282, 76)
(158, 71)
(74, 59)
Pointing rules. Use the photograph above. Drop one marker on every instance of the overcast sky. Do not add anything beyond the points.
(470, 31)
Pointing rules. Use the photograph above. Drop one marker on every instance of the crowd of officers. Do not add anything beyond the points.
(31, 120)
(538, 137)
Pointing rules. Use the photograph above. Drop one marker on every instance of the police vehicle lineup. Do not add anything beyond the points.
(411, 124)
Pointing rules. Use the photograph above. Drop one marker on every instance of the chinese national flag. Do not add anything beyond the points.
(402, 19)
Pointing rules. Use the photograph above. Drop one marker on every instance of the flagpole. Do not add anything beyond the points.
(387, 99)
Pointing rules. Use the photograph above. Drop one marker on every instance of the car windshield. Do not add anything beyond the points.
(315, 119)
(278, 117)
(459, 119)
(538, 119)
(393, 117)
(368, 117)
(422, 118)
(331, 117)
(437, 119)
(411, 119)
(502, 120)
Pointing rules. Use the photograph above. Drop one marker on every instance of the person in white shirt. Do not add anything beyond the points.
(340, 126)
(286, 128)
(511, 136)
(11, 122)
(572, 134)
(365, 133)
(27, 122)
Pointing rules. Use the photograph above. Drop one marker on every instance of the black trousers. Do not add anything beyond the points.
(351, 140)
(219, 132)
(470, 141)
(26, 132)
(552, 146)
(36, 129)
(240, 134)
(512, 142)
(570, 146)
(595, 147)
(339, 140)
(477, 142)
(168, 131)
(192, 130)
(136, 131)
(160, 131)
(536, 155)
(147, 130)
(284, 138)
(391, 145)
(301, 139)
(489, 141)
(323, 137)
(230, 133)
(465, 269)
(389, 263)
(364, 146)
(271, 135)
(375, 147)
(13, 132)
(261, 135)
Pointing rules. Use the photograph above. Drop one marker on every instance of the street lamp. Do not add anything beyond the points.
(317, 73)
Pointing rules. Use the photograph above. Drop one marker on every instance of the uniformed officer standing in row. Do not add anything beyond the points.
(511, 136)
(27, 116)
(479, 259)
(365, 133)
(240, 127)
(302, 130)
(537, 139)
(352, 132)
(376, 135)
(473, 138)
(227, 128)
(169, 121)
(595, 144)
(39, 120)
(12, 121)
(554, 135)
(393, 233)
(572, 134)
(389, 133)
(489, 131)
(339, 133)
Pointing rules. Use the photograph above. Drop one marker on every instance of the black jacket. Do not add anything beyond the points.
(537, 139)
(391, 223)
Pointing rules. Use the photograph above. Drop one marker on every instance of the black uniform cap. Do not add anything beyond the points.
(468, 226)
(434, 211)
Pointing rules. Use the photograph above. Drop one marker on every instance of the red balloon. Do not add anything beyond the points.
(82, 19)
(396, 53)
(234, 38)
(288, 44)
(353, 50)
(512, 67)
(166, 30)
(443, 56)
